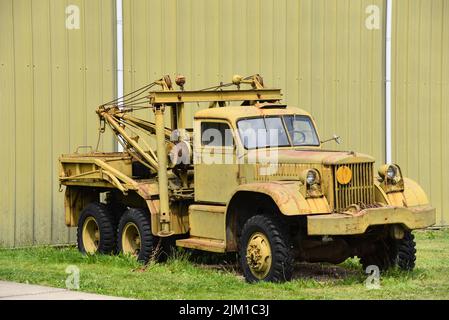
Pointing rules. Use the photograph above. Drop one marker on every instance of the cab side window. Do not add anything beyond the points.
(216, 134)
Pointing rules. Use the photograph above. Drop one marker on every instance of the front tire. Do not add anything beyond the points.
(265, 253)
(96, 230)
(406, 252)
(391, 252)
(135, 237)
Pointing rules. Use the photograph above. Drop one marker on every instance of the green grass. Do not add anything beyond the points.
(185, 277)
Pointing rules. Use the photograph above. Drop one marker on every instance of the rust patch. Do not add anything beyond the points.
(147, 190)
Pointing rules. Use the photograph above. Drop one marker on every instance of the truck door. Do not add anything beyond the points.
(216, 169)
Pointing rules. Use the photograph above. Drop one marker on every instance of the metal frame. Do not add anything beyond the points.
(170, 97)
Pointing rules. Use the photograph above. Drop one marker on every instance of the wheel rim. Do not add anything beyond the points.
(91, 235)
(131, 239)
(258, 255)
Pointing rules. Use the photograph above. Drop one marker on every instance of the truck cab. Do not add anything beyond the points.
(234, 144)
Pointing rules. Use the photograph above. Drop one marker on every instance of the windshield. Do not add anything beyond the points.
(277, 131)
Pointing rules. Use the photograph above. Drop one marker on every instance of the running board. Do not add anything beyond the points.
(212, 245)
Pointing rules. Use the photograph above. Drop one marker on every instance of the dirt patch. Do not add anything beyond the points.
(303, 270)
(227, 267)
(322, 272)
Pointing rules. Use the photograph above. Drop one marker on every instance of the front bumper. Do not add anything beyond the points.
(357, 223)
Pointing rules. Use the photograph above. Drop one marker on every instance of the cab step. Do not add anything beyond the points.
(212, 245)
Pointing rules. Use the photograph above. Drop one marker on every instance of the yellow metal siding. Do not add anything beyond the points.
(7, 128)
(318, 51)
(51, 80)
(420, 96)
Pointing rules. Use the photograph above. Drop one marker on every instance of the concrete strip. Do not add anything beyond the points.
(21, 291)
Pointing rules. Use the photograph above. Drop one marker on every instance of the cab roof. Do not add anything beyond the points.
(233, 113)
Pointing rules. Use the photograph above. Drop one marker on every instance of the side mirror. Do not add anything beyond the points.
(336, 138)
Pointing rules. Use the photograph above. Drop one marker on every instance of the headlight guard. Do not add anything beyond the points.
(391, 178)
(311, 183)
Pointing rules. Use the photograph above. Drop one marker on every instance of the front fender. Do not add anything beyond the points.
(287, 197)
(412, 196)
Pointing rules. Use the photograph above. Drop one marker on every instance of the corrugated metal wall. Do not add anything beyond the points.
(51, 80)
(420, 102)
(318, 51)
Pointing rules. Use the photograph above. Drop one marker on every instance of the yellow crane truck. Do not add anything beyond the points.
(251, 177)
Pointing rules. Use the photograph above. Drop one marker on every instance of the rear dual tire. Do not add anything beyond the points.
(101, 231)
(135, 237)
(96, 231)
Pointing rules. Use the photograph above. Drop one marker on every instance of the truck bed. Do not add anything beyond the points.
(97, 169)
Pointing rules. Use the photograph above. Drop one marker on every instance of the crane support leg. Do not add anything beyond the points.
(164, 208)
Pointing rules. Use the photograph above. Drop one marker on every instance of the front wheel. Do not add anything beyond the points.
(406, 252)
(391, 252)
(265, 253)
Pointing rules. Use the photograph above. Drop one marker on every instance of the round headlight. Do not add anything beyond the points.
(392, 172)
(311, 177)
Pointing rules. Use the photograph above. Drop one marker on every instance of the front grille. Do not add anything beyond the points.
(360, 190)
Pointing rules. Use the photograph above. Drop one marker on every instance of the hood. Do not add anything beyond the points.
(310, 156)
